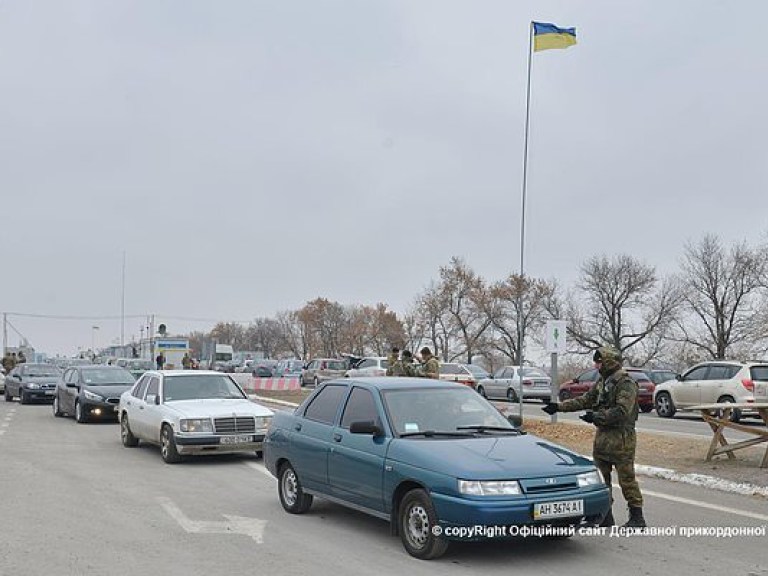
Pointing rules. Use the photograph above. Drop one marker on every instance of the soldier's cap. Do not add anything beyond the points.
(426, 350)
(607, 353)
(407, 354)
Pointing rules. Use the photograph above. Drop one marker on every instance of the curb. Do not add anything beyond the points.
(701, 480)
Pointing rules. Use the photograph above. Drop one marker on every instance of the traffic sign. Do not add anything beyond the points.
(555, 340)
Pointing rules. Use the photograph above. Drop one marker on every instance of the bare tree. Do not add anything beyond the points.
(230, 333)
(620, 301)
(723, 291)
(265, 335)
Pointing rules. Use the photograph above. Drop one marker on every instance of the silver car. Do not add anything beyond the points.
(505, 383)
(321, 369)
(191, 412)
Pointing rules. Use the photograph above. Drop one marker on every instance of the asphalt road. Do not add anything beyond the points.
(75, 502)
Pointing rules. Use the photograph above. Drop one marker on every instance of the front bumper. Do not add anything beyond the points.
(455, 511)
(219, 444)
(96, 409)
(46, 394)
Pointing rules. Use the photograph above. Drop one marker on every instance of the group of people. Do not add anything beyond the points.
(404, 364)
(11, 360)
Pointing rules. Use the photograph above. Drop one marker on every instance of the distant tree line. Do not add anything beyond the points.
(713, 307)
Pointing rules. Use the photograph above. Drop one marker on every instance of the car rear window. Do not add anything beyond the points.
(638, 376)
(759, 373)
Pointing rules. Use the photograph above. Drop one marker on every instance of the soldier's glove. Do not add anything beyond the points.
(551, 408)
(588, 417)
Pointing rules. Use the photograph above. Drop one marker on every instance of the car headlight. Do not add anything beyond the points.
(196, 425)
(263, 422)
(32, 385)
(92, 396)
(593, 478)
(489, 487)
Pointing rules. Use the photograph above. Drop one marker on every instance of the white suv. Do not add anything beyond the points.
(713, 381)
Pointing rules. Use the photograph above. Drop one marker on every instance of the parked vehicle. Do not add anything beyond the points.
(505, 383)
(369, 366)
(461, 373)
(263, 368)
(88, 392)
(584, 381)
(659, 375)
(321, 369)
(290, 368)
(711, 382)
(136, 366)
(29, 382)
(428, 456)
(191, 412)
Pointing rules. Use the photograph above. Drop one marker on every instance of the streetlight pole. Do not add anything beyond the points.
(93, 339)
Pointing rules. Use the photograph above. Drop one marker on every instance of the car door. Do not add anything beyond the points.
(69, 391)
(716, 382)
(134, 405)
(153, 412)
(356, 461)
(495, 387)
(687, 391)
(12, 382)
(139, 418)
(311, 436)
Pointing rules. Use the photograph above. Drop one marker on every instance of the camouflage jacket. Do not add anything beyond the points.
(614, 405)
(402, 368)
(430, 368)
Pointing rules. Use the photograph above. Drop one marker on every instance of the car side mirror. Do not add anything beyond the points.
(678, 377)
(365, 427)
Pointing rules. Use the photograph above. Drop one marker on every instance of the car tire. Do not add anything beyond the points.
(7, 394)
(80, 414)
(646, 408)
(23, 398)
(512, 395)
(416, 519)
(665, 407)
(168, 450)
(481, 391)
(291, 494)
(735, 413)
(316, 382)
(56, 409)
(129, 440)
(259, 453)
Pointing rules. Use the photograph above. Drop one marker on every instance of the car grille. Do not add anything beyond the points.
(234, 425)
(541, 485)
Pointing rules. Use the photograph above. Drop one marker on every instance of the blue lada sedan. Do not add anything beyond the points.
(434, 458)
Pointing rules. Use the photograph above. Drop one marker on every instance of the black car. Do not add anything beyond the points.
(31, 382)
(91, 392)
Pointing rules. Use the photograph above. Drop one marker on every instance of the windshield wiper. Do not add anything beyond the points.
(481, 428)
(431, 433)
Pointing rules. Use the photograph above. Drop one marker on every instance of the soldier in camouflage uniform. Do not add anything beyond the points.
(9, 362)
(612, 408)
(430, 366)
(404, 366)
(391, 359)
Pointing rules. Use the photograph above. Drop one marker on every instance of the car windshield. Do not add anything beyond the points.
(41, 371)
(477, 371)
(108, 377)
(439, 410)
(336, 365)
(200, 386)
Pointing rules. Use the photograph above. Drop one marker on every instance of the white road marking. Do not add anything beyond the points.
(700, 504)
(261, 468)
(251, 527)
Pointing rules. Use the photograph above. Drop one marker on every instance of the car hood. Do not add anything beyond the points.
(491, 457)
(217, 408)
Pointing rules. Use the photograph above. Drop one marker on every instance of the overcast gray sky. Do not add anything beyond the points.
(251, 155)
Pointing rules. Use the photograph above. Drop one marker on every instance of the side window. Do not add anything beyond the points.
(140, 387)
(360, 407)
(325, 405)
(366, 364)
(696, 374)
(508, 373)
(718, 373)
(732, 371)
(152, 388)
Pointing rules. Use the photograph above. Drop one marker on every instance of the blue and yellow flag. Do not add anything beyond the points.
(549, 36)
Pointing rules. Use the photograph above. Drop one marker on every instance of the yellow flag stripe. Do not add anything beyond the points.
(552, 41)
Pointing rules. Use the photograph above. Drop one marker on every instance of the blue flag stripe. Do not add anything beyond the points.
(544, 28)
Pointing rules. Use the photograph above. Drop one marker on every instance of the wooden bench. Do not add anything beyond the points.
(718, 417)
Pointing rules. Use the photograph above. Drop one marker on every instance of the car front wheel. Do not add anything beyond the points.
(665, 408)
(512, 395)
(168, 448)
(80, 415)
(481, 391)
(418, 525)
(129, 440)
(8, 395)
(292, 496)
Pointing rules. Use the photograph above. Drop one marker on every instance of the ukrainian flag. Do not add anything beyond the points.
(549, 36)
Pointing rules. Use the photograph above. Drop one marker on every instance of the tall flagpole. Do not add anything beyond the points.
(122, 308)
(520, 315)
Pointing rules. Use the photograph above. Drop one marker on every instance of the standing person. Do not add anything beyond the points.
(186, 361)
(612, 407)
(9, 363)
(160, 361)
(430, 366)
(404, 366)
(22, 358)
(393, 357)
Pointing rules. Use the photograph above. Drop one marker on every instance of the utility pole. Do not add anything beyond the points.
(122, 308)
(5, 333)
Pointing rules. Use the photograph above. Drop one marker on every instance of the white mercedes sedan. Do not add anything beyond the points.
(191, 412)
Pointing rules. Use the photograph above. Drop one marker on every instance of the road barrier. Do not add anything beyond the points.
(273, 384)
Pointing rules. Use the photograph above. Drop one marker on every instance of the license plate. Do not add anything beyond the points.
(50, 392)
(236, 439)
(558, 509)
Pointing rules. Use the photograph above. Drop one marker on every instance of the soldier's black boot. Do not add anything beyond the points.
(636, 519)
(608, 521)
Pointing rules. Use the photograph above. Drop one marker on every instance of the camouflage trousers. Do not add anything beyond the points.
(627, 481)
